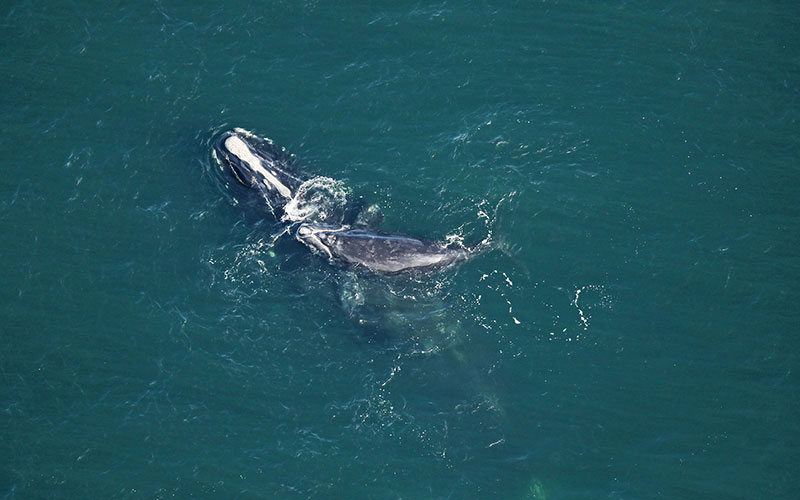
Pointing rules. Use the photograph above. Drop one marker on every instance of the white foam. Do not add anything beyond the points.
(319, 199)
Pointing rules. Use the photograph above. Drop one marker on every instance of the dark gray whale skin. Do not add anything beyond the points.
(258, 164)
(387, 253)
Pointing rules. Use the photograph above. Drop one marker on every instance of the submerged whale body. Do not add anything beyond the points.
(257, 163)
(376, 251)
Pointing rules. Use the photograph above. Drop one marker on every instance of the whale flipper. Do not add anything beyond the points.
(370, 217)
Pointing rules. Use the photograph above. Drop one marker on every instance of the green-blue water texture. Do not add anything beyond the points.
(631, 334)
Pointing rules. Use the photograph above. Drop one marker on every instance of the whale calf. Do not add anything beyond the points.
(257, 163)
(379, 252)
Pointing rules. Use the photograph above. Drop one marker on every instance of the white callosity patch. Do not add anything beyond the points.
(308, 235)
(239, 148)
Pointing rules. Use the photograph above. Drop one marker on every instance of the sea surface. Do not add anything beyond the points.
(631, 334)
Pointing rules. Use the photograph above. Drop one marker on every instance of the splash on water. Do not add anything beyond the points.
(320, 199)
(587, 298)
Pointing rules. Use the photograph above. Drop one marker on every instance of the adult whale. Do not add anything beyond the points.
(259, 164)
(379, 252)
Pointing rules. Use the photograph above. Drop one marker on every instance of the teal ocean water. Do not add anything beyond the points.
(630, 335)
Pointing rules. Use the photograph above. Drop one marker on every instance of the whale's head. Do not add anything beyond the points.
(256, 163)
(319, 237)
(236, 151)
